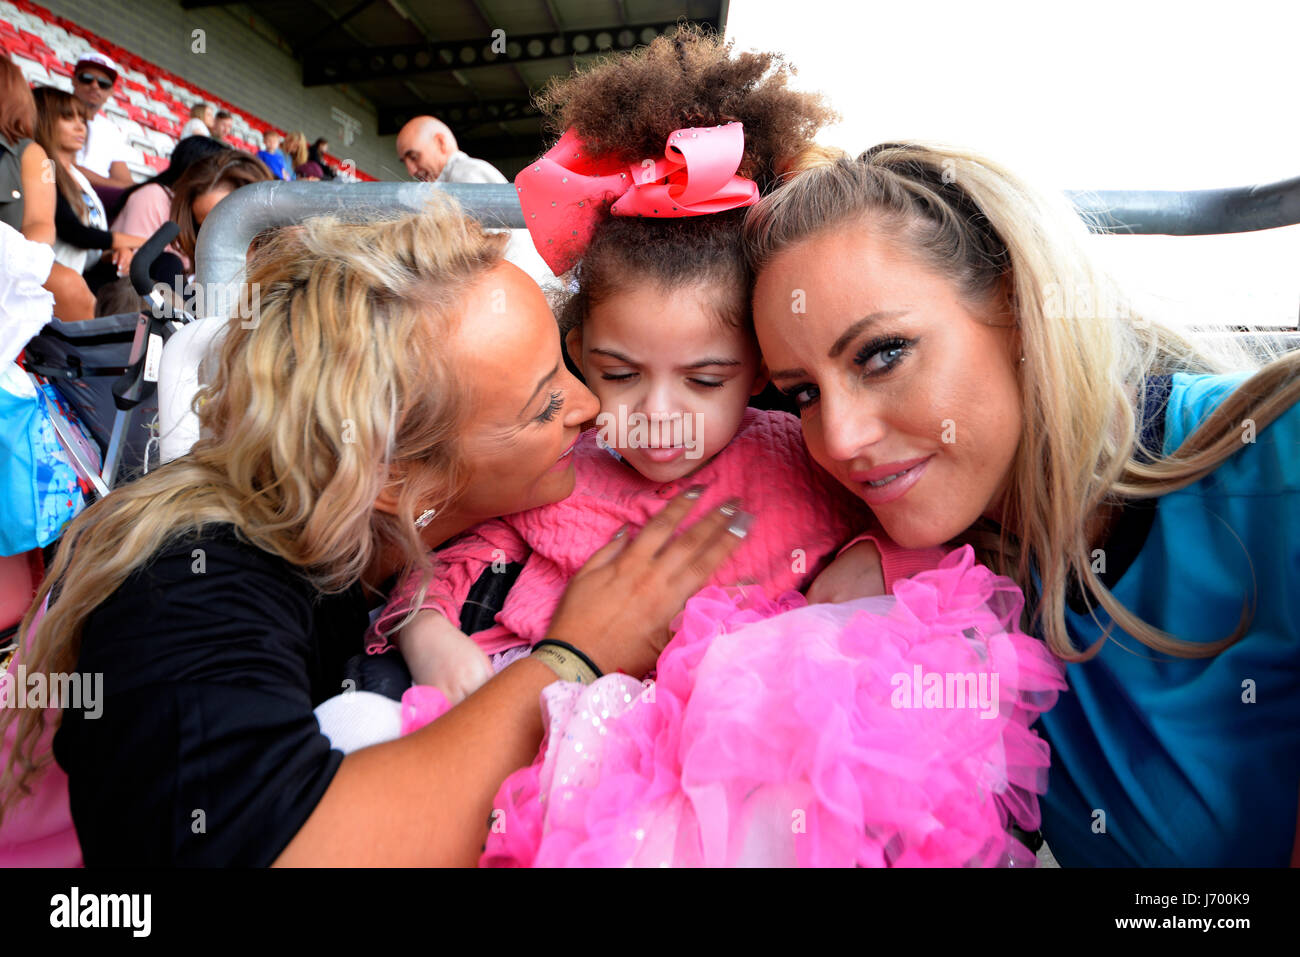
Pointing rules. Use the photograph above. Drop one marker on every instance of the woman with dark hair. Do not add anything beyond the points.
(146, 206)
(316, 154)
(27, 196)
(81, 225)
(207, 183)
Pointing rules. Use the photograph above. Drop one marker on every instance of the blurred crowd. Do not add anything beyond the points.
(65, 181)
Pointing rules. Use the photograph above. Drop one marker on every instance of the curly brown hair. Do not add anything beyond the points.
(625, 107)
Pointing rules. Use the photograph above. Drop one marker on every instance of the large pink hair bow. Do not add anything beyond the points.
(561, 193)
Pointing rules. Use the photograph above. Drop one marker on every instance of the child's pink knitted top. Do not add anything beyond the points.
(802, 518)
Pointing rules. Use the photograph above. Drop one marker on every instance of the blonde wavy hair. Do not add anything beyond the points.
(295, 147)
(339, 389)
(972, 221)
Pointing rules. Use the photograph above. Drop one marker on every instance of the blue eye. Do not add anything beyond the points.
(891, 349)
(556, 403)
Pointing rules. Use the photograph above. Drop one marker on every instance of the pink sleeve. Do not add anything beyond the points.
(455, 570)
(146, 210)
(897, 562)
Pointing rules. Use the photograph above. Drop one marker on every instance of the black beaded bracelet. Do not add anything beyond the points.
(573, 651)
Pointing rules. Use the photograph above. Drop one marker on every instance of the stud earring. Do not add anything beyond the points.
(425, 517)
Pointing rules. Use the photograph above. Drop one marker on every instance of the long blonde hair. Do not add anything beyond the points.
(295, 147)
(989, 232)
(338, 388)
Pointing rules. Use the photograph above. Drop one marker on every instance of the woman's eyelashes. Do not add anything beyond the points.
(876, 358)
(804, 394)
(891, 348)
(629, 376)
(553, 407)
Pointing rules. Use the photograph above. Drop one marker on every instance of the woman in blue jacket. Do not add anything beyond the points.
(962, 366)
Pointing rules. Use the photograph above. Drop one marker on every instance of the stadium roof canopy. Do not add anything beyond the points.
(473, 63)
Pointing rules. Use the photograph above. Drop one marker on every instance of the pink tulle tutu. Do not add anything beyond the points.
(887, 731)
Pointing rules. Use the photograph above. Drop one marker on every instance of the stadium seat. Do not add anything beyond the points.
(162, 143)
(34, 72)
(156, 102)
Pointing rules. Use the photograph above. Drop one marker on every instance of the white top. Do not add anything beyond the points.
(24, 306)
(195, 127)
(462, 168)
(75, 257)
(105, 145)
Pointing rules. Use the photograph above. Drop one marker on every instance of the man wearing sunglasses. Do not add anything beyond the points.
(103, 157)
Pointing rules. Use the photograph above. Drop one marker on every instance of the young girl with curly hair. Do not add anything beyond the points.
(659, 327)
(645, 193)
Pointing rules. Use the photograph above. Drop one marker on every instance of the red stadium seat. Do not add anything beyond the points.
(24, 43)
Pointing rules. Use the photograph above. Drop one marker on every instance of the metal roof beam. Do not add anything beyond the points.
(459, 115)
(336, 23)
(500, 147)
(322, 67)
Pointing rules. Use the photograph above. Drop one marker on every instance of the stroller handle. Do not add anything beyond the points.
(144, 256)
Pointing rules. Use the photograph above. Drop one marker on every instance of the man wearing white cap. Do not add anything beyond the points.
(104, 155)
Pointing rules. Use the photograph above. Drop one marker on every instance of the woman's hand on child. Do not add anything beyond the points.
(856, 573)
(617, 607)
(440, 654)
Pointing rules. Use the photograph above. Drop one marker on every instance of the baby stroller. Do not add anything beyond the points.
(105, 372)
(106, 369)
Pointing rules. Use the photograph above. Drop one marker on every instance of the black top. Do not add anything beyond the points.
(73, 231)
(206, 751)
(11, 181)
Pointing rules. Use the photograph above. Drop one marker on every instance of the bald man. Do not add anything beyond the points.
(428, 148)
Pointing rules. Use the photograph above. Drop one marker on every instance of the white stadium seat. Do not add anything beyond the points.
(162, 143)
(33, 71)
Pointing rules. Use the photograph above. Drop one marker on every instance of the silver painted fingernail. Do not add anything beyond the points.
(730, 508)
(695, 491)
(740, 525)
